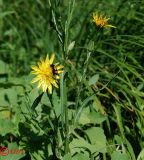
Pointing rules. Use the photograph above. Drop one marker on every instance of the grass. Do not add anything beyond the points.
(98, 110)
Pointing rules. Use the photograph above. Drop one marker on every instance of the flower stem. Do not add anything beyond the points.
(63, 83)
(64, 112)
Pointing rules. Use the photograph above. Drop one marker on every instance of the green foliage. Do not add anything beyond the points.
(119, 156)
(98, 110)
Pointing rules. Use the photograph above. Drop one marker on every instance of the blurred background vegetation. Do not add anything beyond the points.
(104, 79)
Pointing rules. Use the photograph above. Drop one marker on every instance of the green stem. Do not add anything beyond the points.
(51, 101)
(64, 112)
(62, 99)
(53, 127)
(55, 22)
(80, 82)
(63, 84)
(67, 25)
(66, 128)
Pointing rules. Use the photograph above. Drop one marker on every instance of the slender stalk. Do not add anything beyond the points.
(63, 83)
(79, 89)
(62, 99)
(64, 112)
(54, 128)
(67, 25)
(66, 126)
(55, 22)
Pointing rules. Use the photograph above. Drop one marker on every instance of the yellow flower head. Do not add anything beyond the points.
(101, 21)
(47, 73)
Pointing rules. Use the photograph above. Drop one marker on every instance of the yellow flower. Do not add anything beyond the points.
(101, 21)
(47, 73)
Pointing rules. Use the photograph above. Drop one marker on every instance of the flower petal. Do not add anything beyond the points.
(50, 88)
(57, 77)
(35, 68)
(52, 58)
(35, 79)
(47, 61)
(59, 67)
(60, 71)
(55, 84)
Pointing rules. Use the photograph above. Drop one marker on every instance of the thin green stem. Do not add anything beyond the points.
(79, 89)
(64, 112)
(63, 83)
(67, 25)
(55, 22)
(62, 99)
(51, 101)
(66, 128)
